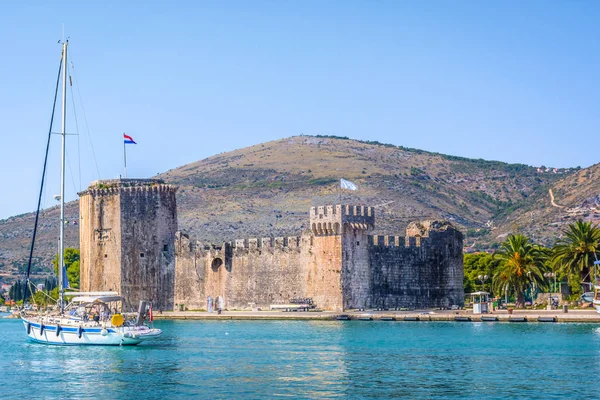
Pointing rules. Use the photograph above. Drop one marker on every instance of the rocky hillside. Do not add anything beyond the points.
(267, 189)
(15, 240)
(545, 214)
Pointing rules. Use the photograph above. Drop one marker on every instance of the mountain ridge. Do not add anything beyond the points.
(267, 189)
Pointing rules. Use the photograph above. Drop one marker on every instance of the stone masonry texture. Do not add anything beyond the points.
(129, 243)
(127, 233)
(337, 264)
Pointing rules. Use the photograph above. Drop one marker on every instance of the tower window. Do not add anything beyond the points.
(166, 247)
(358, 243)
(106, 256)
(142, 255)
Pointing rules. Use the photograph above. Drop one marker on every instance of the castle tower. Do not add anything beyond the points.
(443, 271)
(338, 276)
(127, 236)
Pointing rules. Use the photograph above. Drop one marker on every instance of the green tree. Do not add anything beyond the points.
(39, 298)
(16, 291)
(43, 298)
(521, 265)
(475, 265)
(576, 252)
(72, 264)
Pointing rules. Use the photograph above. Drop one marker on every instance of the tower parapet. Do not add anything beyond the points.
(116, 186)
(333, 220)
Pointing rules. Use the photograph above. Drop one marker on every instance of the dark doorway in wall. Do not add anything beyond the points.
(216, 263)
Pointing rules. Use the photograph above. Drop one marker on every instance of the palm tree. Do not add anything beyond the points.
(521, 265)
(576, 252)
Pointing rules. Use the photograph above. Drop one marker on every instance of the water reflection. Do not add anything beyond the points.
(93, 370)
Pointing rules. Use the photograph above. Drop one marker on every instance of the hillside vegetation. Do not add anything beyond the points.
(267, 190)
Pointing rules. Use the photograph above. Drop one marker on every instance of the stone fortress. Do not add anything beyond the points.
(130, 243)
(126, 239)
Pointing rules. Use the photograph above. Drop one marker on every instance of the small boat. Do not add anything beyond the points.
(90, 318)
(588, 297)
(596, 299)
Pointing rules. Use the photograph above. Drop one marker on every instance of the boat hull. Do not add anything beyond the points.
(596, 299)
(99, 336)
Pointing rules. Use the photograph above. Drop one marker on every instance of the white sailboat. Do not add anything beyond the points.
(91, 318)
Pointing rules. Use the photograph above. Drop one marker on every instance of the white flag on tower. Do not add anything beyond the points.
(348, 185)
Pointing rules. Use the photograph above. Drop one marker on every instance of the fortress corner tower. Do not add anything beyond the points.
(127, 235)
(339, 275)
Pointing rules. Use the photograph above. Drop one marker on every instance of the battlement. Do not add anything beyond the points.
(290, 242)
(424, 229)
(118, 186)
(422, 269)
(340, 210)
(395, 241)
(332, 220)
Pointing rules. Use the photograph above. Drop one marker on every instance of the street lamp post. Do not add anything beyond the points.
(482, 279)
(532, 287)
(549, 276)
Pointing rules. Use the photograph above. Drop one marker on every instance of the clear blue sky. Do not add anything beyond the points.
(516, 81)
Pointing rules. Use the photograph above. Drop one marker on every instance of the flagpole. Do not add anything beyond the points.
(125, 157)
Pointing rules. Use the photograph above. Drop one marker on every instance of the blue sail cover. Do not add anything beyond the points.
(65, 281)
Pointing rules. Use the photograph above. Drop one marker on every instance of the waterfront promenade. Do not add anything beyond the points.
(586, 315)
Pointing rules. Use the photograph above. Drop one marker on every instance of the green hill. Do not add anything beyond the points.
(267, 189)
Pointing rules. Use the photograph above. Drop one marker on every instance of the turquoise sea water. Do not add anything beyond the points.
(314, 360)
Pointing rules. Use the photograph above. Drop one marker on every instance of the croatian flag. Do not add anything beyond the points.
(128, 139)
(344, 184)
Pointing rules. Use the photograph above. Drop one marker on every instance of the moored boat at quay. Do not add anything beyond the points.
(89, 318)
(93, 318)
(596, 300)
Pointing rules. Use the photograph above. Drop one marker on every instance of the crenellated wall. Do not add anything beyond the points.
(263, 271)
(337, 264)
(130, 243)
(424, 271)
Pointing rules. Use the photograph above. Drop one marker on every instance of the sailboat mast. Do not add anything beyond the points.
(61, 254)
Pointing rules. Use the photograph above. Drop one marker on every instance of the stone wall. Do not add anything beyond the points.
(100, 241)
(129, 244)
(423, 271)
(127, 230)
(323, 271)
(337, 264)
(261, 271)
(357, 280)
